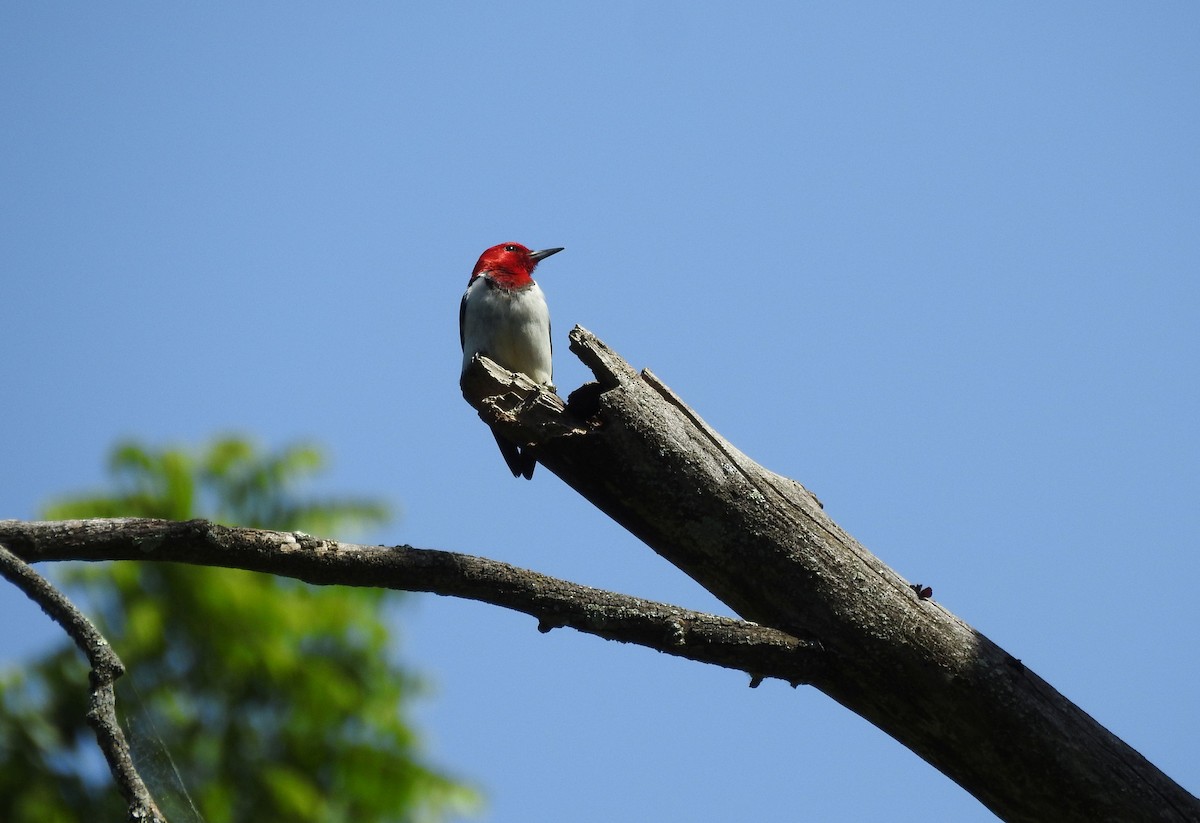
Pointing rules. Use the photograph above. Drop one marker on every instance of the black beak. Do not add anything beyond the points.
(544, 253)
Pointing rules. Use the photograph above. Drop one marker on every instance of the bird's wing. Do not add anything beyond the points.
(462, 314)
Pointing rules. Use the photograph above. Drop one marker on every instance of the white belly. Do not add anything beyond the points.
(510, 327)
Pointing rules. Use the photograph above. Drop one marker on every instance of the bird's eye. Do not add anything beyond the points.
(510, 248)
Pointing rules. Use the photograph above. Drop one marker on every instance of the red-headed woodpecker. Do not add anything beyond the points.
(503, 316)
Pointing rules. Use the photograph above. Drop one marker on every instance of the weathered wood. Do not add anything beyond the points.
(106, 667)
(759, 651)
(762, 544)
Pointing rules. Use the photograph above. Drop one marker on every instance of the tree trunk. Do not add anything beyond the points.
(762, 544)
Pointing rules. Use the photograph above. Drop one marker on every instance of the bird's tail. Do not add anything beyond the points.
(521, 462)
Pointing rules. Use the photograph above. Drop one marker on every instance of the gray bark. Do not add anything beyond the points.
(102, 699)
(759, 651)
(762, 544)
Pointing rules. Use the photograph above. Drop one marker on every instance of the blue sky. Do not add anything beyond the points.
(936, 261)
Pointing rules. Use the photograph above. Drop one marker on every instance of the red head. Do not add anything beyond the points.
(510, 264)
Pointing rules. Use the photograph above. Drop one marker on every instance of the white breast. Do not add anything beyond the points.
(510, 327)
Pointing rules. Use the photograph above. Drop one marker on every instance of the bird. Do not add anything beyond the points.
(503, 316)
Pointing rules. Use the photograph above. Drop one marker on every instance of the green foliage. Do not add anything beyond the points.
(275, 700)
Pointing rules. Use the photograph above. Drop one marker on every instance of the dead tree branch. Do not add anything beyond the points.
(106, 668)
(757, 650)
(762, 544)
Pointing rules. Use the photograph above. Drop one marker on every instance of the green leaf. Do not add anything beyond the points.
(274, 700)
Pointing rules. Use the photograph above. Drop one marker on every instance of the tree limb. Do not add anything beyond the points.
(758, 650)
(762, 544)
(106, 668)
